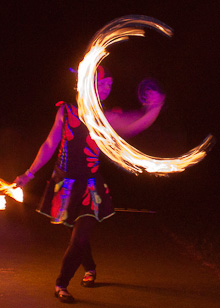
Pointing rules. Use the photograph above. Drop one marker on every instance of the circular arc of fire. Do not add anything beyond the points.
(90, 109)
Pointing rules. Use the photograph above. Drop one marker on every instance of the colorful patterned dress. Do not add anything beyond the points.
(76, 187)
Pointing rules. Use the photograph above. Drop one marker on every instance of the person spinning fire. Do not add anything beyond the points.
(77, 195)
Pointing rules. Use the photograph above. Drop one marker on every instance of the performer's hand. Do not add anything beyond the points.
(158, 102)
(22, 180)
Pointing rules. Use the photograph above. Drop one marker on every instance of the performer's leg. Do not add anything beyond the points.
(78, 251)
(87, 260)
(89, 267)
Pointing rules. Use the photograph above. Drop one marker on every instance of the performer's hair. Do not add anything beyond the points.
(103, 72)
(148, 84)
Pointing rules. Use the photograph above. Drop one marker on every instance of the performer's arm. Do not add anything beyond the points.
(129, 124)
(46, 151)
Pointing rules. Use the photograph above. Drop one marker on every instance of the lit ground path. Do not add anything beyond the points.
(138, 265)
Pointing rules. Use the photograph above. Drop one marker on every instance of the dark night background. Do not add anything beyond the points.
(42, 39)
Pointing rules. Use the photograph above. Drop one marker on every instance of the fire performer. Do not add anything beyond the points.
(77, 195)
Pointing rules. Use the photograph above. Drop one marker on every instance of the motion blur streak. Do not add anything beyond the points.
(90, 109)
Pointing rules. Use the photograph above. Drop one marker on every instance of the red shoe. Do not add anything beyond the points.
(63, 295)
(89, 279)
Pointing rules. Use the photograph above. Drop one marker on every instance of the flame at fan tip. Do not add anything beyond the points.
(91, 113)
(2, 203)
(11, 190)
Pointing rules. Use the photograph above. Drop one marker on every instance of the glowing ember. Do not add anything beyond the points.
(2, 202)
(91, 113)
(11, 190)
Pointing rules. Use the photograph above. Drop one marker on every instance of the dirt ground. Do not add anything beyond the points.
(138, 265)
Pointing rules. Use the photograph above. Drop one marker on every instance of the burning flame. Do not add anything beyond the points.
(2, 202)
(90, 110)
(11, 190)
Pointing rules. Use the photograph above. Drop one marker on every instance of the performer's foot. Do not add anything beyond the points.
(89, 279)
(63, 295)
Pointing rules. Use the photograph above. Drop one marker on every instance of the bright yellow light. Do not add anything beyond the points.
(11, 190)
(2, 202)
(16, 193)
(91, 113)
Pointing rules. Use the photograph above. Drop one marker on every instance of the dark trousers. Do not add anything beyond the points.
(78, 251)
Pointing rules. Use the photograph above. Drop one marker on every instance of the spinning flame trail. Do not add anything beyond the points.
(90, 109)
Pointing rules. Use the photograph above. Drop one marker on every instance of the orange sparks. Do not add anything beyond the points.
(91, 113)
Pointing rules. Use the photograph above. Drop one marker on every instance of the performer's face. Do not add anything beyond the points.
(104, 87)
(153, 97)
